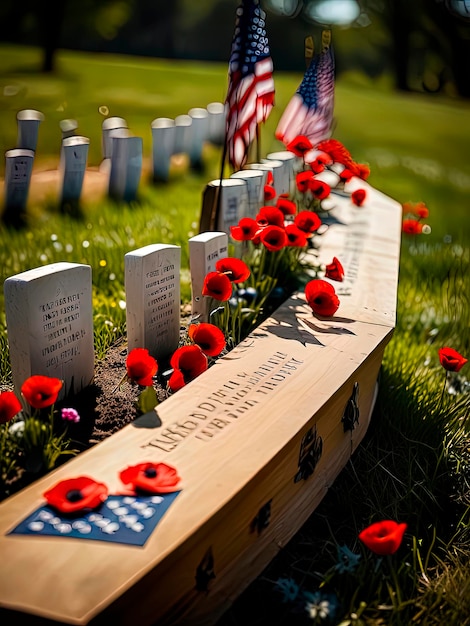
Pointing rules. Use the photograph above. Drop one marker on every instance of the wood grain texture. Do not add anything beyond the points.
(235, 435)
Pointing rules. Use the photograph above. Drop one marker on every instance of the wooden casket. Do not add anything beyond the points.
(257, 440)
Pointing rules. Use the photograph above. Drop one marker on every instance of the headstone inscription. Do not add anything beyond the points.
(75, 155)
(126, 168)
(224, 203)
(199, 135)
(152, 283)
(217, 119)
(163, 145)
(255, 181)
(50, 325)
(109, 125)
(28, 121)
(205, 250)
(18, 170)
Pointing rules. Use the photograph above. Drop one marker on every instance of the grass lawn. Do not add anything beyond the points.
(415, 455)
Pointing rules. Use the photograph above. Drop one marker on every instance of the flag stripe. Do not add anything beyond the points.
(250, 95)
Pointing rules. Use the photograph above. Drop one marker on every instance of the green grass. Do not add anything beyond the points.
(415, 454)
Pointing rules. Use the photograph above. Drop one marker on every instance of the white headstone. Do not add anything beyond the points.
(183, 125)
(18, 169)
(163, 146)
(224, 203)
(28, 128)
(255, 181)
(292, 165)
(281, 182)
(199, 135)
(205, 250)
(50, 325)
(110, 124)
(217, 119)
(75, 155)
(126, 168)
(152, 282)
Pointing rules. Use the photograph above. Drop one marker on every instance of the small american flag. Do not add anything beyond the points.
(310, 110)
(250, 95)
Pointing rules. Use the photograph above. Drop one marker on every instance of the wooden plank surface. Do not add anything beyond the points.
(234, 434)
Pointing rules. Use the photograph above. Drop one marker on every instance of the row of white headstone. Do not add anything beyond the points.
(49, 312)
(122, 151)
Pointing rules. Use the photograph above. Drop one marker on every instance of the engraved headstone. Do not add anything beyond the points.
(18, 169)
(109, 125)
(183, 124)
(50, 325)
(126, 168)
(199, 135)
(152, 283)
(255, 181)
(28, 121)
(163, 145)
(205, 250)
(217, 118)
(224, 203)
(75, 155)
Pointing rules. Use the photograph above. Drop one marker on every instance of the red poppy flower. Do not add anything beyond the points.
(299, 145)
(141, 367)
(358, 197)
(308, 221)
(273, 238)
(9, 406)
(286, 206)
(321, 297)
(269, 193)
(208, 337)
(319, 188)
(269, 178)
(217, 286)
(176, 380)
(303, 179)
(270, 215)
(151, 477)
(317, 166)
(336, 150)
(41, 391)
(362, 170)
(346, 175)
(421, 210)
(295, 237)
(451, 360)
(245, 230)
(412, 227)
(76, 494)
(188, 362)
(383, 537)
(334, 270)
(235, 269)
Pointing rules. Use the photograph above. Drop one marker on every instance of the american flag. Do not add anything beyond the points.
(250, 95)
(310, 110)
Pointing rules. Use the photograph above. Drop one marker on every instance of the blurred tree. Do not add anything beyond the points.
(423, 44)
(429, 45)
